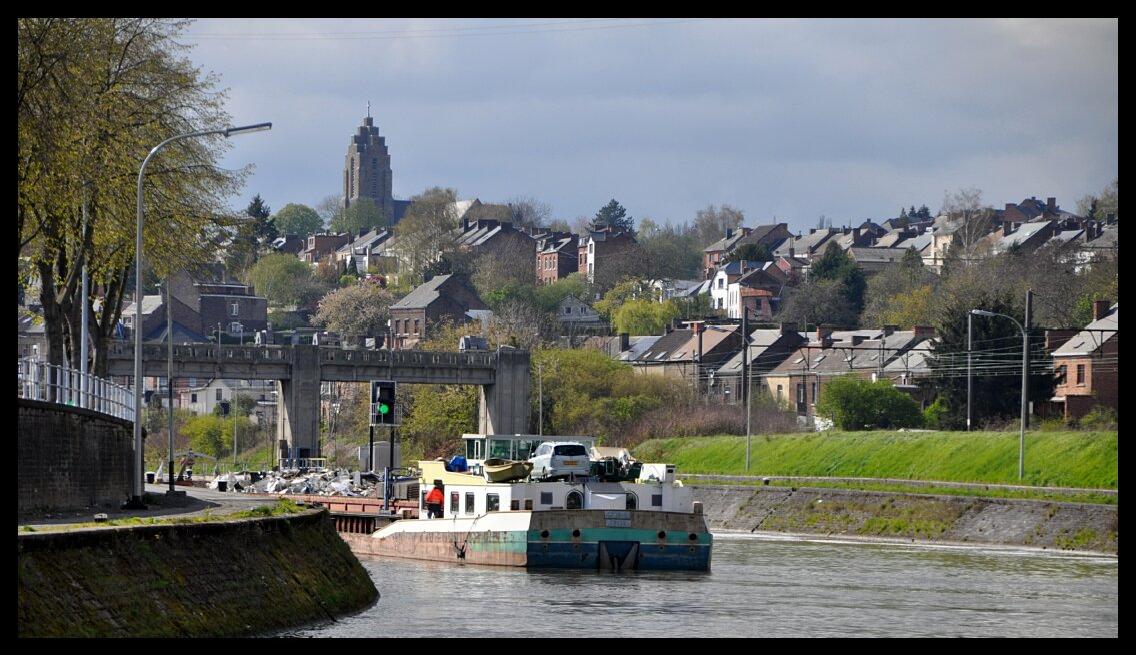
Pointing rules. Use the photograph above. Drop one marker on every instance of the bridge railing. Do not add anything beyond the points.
(63, 385)
(331, 355)
(207, 351)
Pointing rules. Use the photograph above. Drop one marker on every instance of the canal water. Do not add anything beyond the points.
(760, 586)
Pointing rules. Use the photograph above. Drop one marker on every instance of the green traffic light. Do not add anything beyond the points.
(384, 408)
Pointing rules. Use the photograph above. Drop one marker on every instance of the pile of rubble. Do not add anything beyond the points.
(317, 483)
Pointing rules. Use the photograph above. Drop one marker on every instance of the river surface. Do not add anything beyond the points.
(760, 586)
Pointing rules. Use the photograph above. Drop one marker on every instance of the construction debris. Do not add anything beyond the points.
(313, 482)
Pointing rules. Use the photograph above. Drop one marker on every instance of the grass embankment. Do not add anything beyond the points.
(1053, 459)
(934, 489)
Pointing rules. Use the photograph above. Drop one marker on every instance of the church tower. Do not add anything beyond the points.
(367, 171)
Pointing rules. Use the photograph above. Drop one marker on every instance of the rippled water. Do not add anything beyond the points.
(759, 587)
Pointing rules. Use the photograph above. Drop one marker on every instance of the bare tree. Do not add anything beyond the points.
(529, 212)
(711, 223)
(968, 220)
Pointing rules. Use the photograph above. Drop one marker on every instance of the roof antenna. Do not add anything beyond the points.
(368, 109)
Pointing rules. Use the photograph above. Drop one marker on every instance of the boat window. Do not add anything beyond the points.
(575, 500)
(570, 449)
(632, 501)
(499, 448)
(492, 502)
(469, 502)
(546, 498)
(514, 505)
(469, 449)
(524, 449)
(454, 502)
(528, 503)
(656, 500)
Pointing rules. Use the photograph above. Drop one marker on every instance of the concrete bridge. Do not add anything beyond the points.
(298, 370)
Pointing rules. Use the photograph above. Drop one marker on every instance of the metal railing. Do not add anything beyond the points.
(37, 380)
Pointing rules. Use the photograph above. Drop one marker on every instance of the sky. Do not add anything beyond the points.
(783, 119)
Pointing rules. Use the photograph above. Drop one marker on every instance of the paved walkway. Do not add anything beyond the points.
(196, 502)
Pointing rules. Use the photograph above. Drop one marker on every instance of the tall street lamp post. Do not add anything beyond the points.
(135, 501)
(1025, 376)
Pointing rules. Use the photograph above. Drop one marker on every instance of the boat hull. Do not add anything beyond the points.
(563, 539)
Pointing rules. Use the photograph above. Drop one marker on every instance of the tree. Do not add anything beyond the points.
(297, 219)
(836, 265)
(710, 224)
(900, 294)
(362, 215)
(818, 302)
(502, 268)
(259, 212)
(427, 231)
(1100, 207)
(529, 212)
(612, 216)
(575, 284)
(283, 279)
(638, 316)
(669, 252)
(628, 289)
(856, 404)
(358, 310)
(996, 362)
(968, 219)
(750, 252)
(94, 97)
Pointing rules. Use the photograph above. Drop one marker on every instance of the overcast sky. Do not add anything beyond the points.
(789, 118)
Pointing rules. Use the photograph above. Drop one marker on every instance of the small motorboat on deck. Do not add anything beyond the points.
(503, 470)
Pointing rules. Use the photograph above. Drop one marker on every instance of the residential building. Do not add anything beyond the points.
(758, 290)
(691, 355)
(770, 236)
(557, 256)
(289, 244)
(442, 298)
(600, 252)
(233, 306)
(622, 347)
(799, 380)
(202, 396)
(575, 313)
(806, 246)
(767, 349)
(365, 250)
(493, 236)
(1087, 365)
(874, 260)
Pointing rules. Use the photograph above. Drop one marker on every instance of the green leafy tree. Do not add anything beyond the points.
(644, 316)
(362, 215)
(750, 252)
(437, 417)
(612, 216)
(426, 232)
(575, 284)
(818, 302)
(283, 279)
(297, 219)
(857, 404)
(669, 252)
(837, 266)
(211, 434)
(626, 290)
(900, 295)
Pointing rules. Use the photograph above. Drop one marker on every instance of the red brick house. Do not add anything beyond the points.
(1087, 364)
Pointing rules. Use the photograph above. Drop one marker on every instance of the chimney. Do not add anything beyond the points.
(792, 252)
(857, 339)
(729, 233)
(923, 331)
(1054, 339)
(890, 330)
(1051, 205)
(788, 328)
(855, 234)
(465, 224)
(812, 230)
(1007, 229)
(1011, 206)
(624, 341)
(1100, 309)
(824, 335)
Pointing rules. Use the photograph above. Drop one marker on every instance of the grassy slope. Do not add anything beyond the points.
(1060, 459)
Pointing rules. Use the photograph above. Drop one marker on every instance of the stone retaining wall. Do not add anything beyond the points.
(240, 577)
(71, 458)
(1045, 524)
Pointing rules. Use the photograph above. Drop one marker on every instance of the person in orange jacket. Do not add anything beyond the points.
(434, 501)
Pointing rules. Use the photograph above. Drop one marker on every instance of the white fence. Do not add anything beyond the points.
(65, 386)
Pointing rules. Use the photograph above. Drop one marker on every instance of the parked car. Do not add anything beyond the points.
(560, 459)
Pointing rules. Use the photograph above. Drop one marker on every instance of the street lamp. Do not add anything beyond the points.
(1025, 377)
(135, 501)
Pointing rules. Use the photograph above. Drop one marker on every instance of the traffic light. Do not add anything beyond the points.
(382, 403)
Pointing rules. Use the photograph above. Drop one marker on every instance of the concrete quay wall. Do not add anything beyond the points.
(230, 578)
(921, 517)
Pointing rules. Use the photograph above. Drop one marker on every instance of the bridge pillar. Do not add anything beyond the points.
(504, 406)
(298, 403)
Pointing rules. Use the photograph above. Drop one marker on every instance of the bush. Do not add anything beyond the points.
(937, 415)
(856, 404)
(1100, 417)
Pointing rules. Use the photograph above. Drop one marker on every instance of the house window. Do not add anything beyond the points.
(492, 502)
(415, 326)
(218, 395)
(778, 394)
(454, 502)
(234, 309)
(193, 398)
(721, 283)
(1062, 372)
(469, 502)
(814, 393)
(1080, 373)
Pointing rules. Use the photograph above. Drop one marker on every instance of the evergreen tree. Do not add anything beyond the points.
(612, 216)
(262, 228)
(924, 212)
(837, 266)
(996, 363)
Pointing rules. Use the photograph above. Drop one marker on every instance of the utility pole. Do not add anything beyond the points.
(540, 405)
(1025, 385)
(745, 375)
(969, 372)
(170, 378)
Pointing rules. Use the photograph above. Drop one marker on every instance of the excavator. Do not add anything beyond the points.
(185, 468)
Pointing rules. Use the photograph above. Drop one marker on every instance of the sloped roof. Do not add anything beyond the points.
(423, 294)
(150, 304)
(759, 343)
(886, 255)
(1093, 336)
